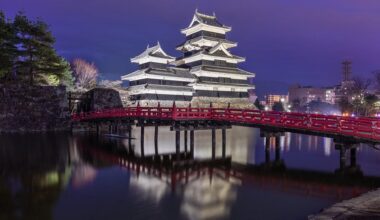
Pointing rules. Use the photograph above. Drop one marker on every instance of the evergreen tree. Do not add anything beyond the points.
(278, 107)
(258, 105)
(38, 60)
(8, 50)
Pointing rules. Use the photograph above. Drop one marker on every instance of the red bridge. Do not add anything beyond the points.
(362, 128)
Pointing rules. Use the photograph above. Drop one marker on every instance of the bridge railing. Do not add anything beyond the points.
(352, 126)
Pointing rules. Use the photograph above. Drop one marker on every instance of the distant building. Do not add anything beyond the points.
(263, 103)
(346, 70)
(330, 95)
(271, 99)
(346, 87)
(306, 94)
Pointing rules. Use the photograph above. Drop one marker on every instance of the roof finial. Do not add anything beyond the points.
(147, 46)
(196, 10)
(214, 14)
(158, 44)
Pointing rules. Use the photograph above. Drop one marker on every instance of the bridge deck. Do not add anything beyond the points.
(364, 128)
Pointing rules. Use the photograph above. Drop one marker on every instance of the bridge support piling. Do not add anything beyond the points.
(185, 140)
(223, 142)
(110, 128)
(353, 157)
(267, 149)
(192, 143)
(342, 157)
(156, 139)
(177, 143)
(142, 139)
(213, 143)
(130, 138)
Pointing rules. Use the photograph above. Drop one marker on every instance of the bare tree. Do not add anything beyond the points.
(359, 91)
(360, 85)
(376, 74)
(110, 84)
(85, 74)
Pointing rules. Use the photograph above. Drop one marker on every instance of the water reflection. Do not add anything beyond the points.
(58, 176)
(209, 199)
(34, 171)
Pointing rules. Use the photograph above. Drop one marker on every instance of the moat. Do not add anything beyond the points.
(81, 176)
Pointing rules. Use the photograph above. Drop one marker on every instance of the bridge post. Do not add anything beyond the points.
(213, 143)
(353, 157)
(268, 134)
(342, 157)
(192, 143)
(267, 149)
(354, 168)
(223, 142)
(177, 143)
(110, 128)
(185, 139)
(97, 129)
(344, 145)
(156, 138)
(130, 138)
(142, 138)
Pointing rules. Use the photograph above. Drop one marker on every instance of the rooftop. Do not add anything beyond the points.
(155, 51)
(209, 20)
(191, 41)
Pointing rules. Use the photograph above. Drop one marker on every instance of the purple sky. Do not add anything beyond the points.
(285, 42)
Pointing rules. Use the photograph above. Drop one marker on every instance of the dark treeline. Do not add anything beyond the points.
(27, 54)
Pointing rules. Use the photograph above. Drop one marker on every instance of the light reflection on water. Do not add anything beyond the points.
(238, 142)
(52, 177)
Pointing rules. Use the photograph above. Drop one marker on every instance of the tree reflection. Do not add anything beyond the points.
(34, 171)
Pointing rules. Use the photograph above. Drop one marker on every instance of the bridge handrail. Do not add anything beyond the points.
(364, 127)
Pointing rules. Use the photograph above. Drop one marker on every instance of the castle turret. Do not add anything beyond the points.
(206, 53)
(155, 81)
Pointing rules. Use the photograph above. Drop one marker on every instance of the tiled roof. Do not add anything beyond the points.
(155, 51)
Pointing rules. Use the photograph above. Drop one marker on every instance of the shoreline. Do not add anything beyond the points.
(365, 206)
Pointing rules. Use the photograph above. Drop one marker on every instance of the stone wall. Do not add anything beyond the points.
(104, 98)
(25, 108)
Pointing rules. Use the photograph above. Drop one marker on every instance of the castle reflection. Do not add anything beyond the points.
(42, 175)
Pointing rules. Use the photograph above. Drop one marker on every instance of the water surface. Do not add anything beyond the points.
(61, 176)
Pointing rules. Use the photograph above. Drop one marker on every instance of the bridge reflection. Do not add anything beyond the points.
(37, 173)
(179, 170)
